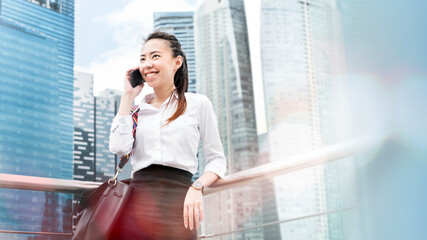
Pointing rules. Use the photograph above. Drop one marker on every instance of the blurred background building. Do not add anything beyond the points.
(36, 127)
(223, 71)
(302, 54)
(93, 116)
(84, 127)
(107, 105)
(268, 194)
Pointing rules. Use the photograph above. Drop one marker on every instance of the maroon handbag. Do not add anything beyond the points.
(99, 209)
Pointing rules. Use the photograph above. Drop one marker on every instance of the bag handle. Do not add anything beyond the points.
(125, 158)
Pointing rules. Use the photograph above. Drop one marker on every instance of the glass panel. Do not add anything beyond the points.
(315, 190)
(35, 211)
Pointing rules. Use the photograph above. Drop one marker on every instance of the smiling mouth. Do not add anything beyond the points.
(151, 74)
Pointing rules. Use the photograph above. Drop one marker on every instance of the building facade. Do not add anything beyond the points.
(36, 63)
(93, 116)
(302, 57)
(54, 19)
(84, 127)
(223, 73)
(106, 107)
(269, 201)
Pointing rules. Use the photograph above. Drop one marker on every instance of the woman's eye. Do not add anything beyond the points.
(155, 55)
(142, 59)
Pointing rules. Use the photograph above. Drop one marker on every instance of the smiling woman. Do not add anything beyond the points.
(165, 204)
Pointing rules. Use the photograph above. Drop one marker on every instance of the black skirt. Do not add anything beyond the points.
(155, 209)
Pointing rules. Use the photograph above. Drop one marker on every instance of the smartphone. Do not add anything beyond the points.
(136, 78)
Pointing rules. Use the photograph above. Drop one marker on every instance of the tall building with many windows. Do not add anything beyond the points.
(92, 120)
(302, 65)
(36, 124)
(54, 19)
(268, 202)
(106, 107)
(223, 73)
(84, 127)
(181, 25)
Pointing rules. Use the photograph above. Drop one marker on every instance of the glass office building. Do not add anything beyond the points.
(54, 19)
(303, 62)
(84, 127)
(224, 74)
(106, 107)
(36, 123)
(93, 116)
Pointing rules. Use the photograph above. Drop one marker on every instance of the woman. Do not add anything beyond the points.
(165, 204)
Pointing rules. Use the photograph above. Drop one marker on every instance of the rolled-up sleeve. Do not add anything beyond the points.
(121, 139)
(213, 150)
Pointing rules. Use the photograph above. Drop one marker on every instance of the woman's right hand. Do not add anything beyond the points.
(129, 90)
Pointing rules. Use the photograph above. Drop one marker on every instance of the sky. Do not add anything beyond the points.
(109, 35)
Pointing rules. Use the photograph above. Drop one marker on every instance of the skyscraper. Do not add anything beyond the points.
(223, 73)
(269, 202)
(54, 19)
(302, 61)
(84, 127)
(36, 62)
(181, 25)
(92, 120)
(106, 107)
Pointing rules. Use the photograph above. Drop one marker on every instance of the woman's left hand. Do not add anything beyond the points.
(193, 208)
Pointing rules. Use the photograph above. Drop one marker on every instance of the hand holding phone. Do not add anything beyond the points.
(136, 78)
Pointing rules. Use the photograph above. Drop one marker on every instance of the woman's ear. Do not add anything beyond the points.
(178, 62)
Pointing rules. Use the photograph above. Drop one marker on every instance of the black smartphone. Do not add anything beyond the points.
(136, 78)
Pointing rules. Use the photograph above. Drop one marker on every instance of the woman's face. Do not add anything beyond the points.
(157, 63)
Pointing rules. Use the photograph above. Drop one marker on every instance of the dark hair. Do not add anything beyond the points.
(181, 75)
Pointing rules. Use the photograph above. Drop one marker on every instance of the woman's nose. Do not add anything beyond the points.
(147, 64)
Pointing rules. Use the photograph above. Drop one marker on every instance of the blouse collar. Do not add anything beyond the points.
(147, 98)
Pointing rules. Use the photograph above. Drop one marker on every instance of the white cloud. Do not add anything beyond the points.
(136, 18)
(108, 71)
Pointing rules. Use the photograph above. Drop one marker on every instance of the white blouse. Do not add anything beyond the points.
(175, 144)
